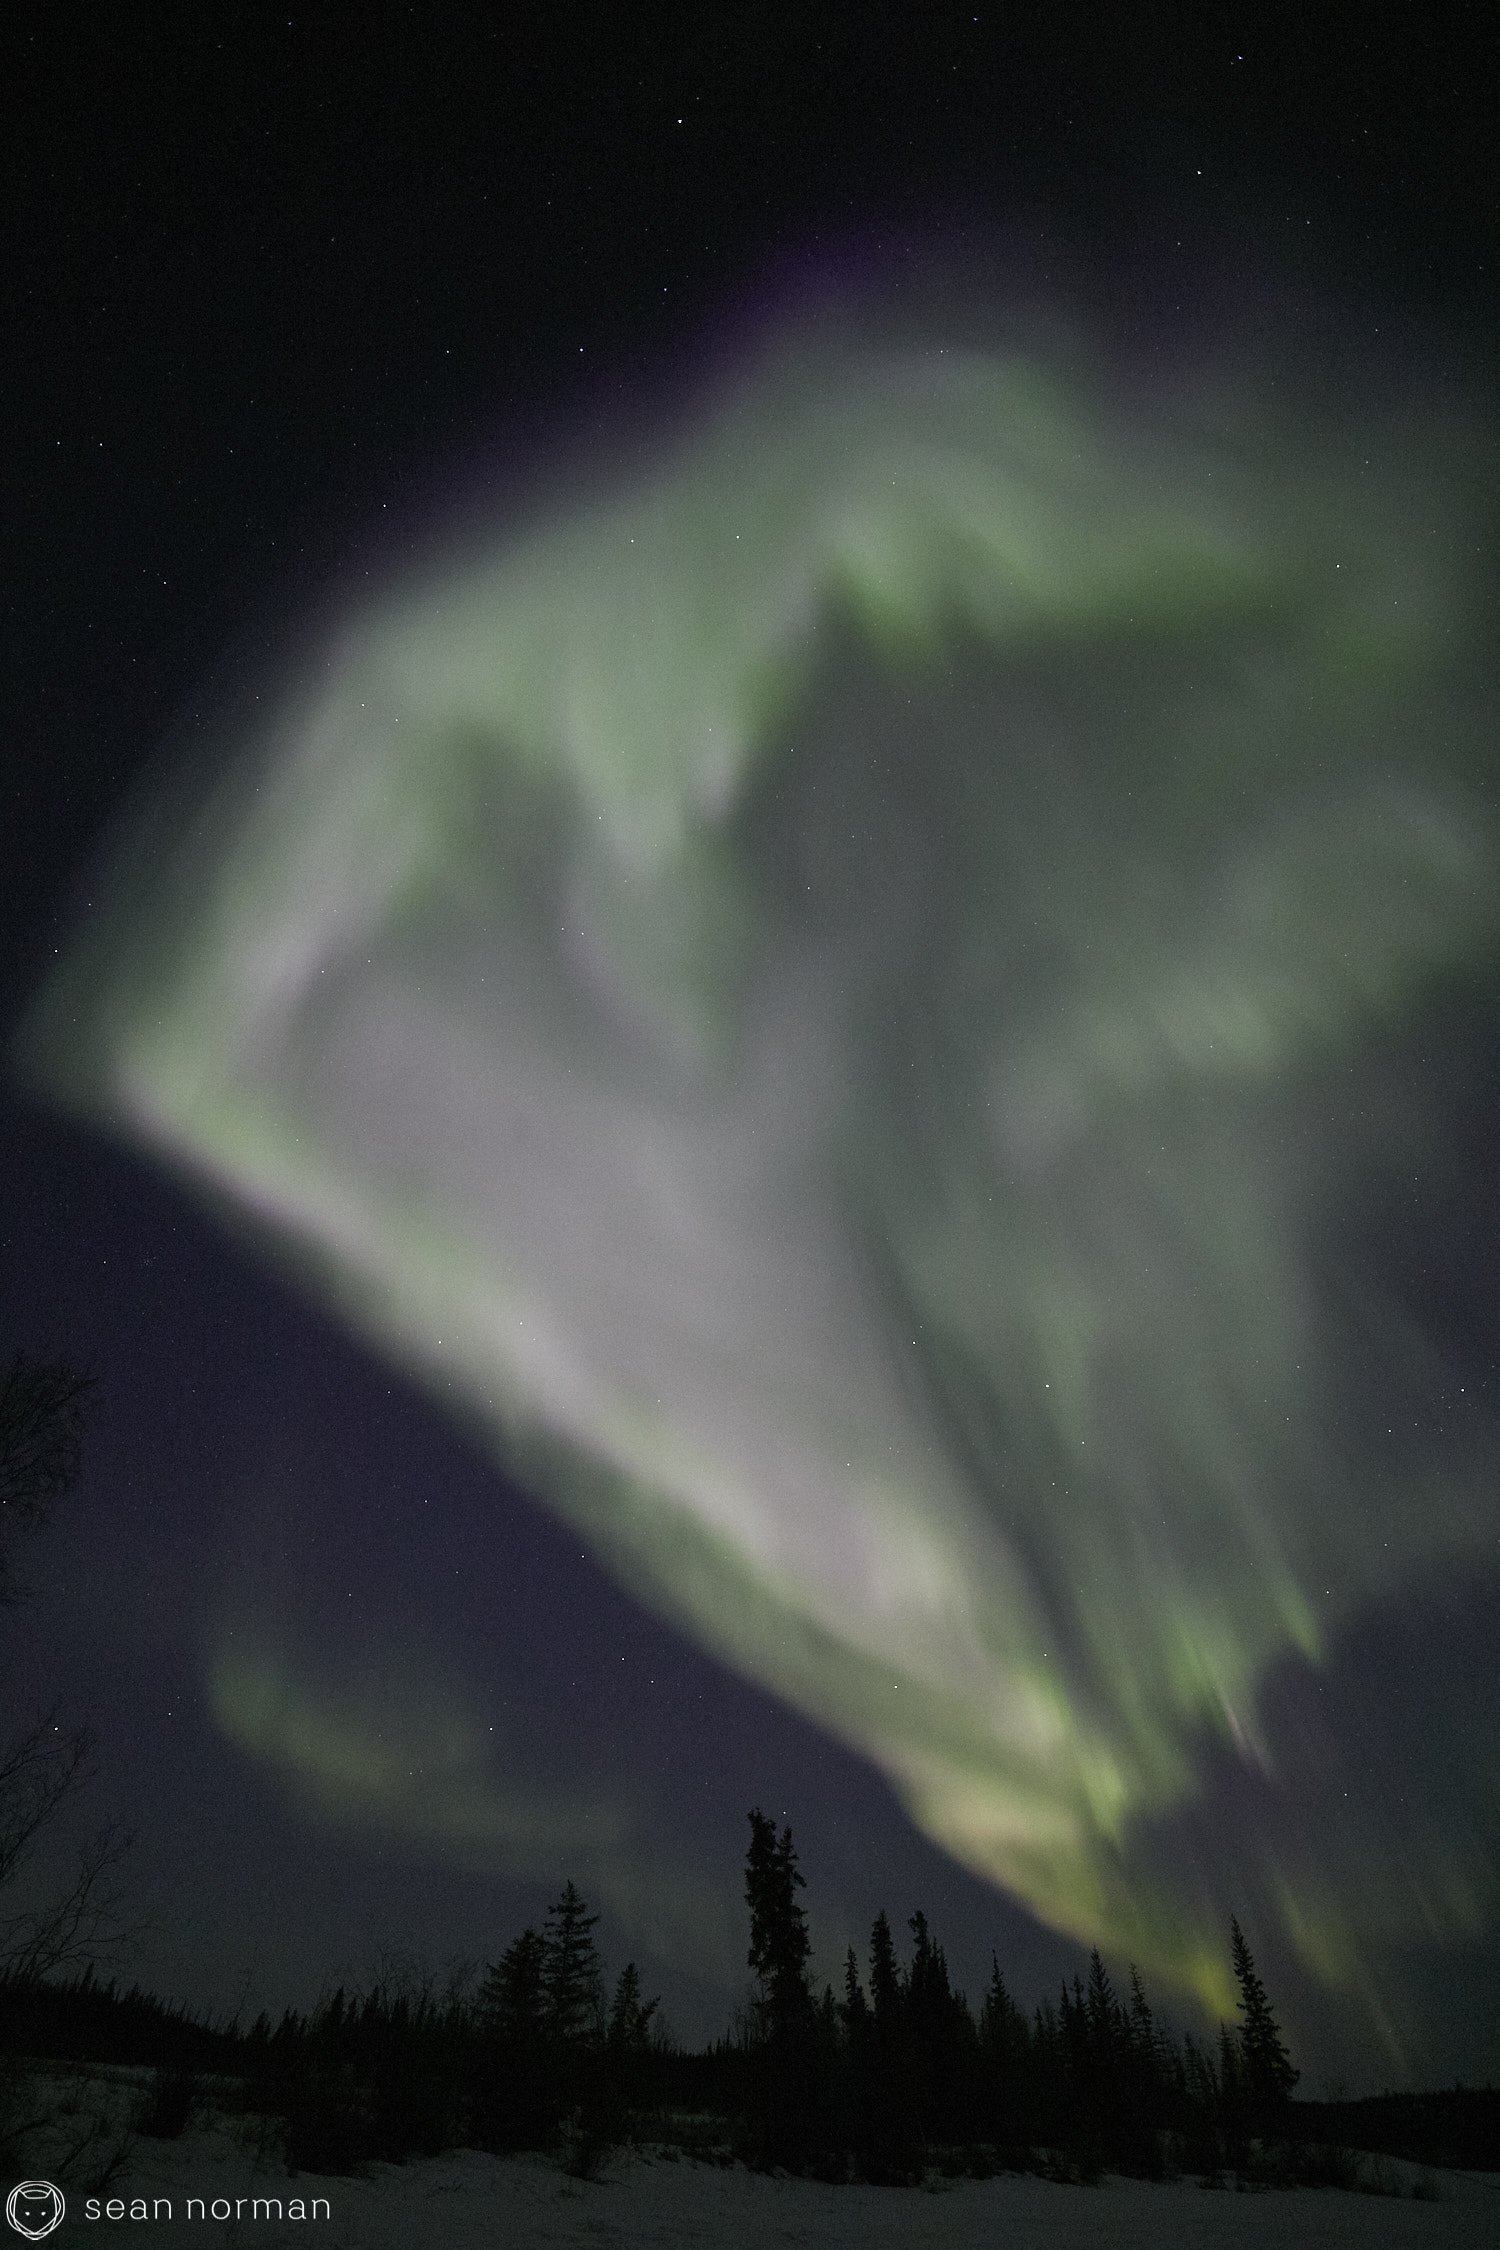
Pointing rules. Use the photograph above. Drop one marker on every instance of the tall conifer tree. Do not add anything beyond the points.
(1267, 2070)
(779, 1943)
(572, 1980)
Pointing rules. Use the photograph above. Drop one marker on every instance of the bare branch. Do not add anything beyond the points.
(41, 1773)
(43, 1408)
(85, 1922)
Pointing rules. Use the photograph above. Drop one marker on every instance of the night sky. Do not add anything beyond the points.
(296, 303)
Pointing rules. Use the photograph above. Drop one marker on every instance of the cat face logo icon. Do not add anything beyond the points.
(35, 2208)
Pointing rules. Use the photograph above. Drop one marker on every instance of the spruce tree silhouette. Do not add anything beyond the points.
(856, 2009)
(942, 2040)
(885, 1979)
(1144, 2040)
(512, 2005)
(572, 1981)
(630, 2017)
(788, 2098)
(1143, 2084)
(890, 2125)
(1267, 2074)
(1008, 2095)
(515, 2100)
(779, 1943)
(1103, 2047)
(625, 2077)
(855, 2090)
(1234, 2107)
(1103, 2008)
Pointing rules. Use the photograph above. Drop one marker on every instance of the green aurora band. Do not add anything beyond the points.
(822, 993)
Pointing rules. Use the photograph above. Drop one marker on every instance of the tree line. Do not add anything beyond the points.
(879, 2081)
(897, 2069)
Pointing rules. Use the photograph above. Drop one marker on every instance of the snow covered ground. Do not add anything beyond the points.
(466, 2200)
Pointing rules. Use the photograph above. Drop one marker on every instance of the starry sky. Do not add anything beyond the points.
(309, 327)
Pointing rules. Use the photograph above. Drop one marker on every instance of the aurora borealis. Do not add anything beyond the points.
(860, 992)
